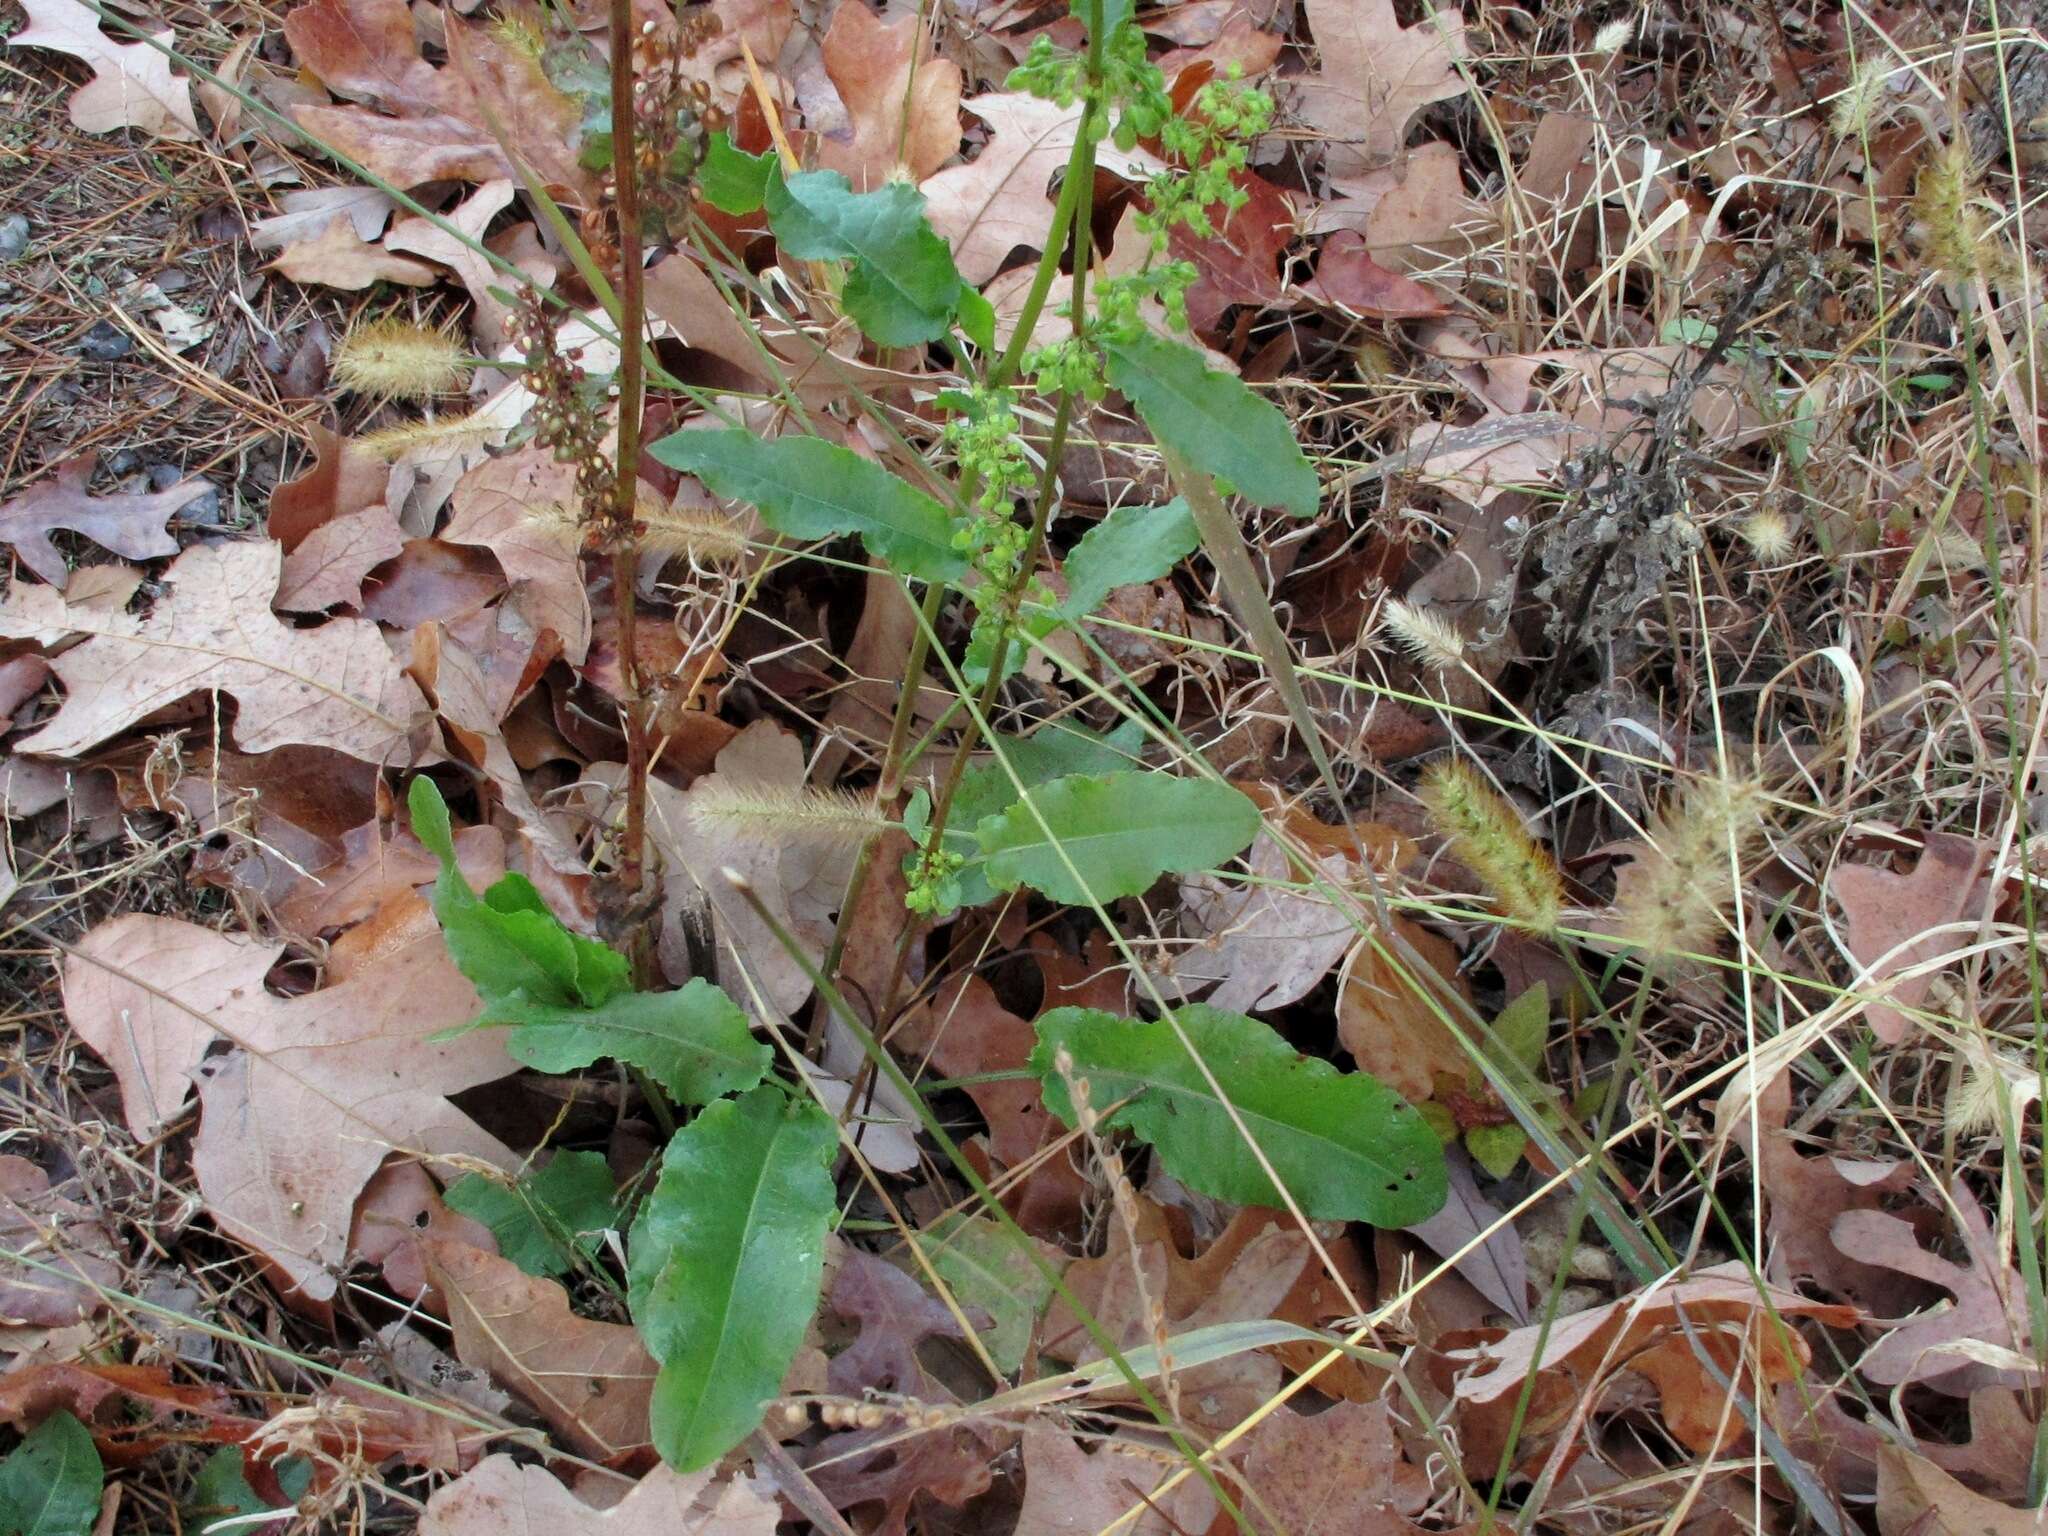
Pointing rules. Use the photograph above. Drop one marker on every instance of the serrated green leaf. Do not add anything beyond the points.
(1119, 831)
(1214, 421)
(507, 942)
(983, 1264)
(1131, 544)
(808, 488)
(902, 286)
(546, 1218)
(725, 1264)
(731, 180)
(1497, 1148)
(694, 1042)
(50, 1483)
(1347, 1147)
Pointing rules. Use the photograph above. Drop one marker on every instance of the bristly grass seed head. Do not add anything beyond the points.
(451, 434)
(1686, 879)
(1427, 636)
(1768, 533)
(700, 534)
(394, 359)
(1489, 837)
(1856, 109)
(784, 814)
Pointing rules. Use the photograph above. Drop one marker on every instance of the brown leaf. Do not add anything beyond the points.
(896, 1315)
(591, 1381)
(1585, 1353)
(327, 567)
(340, 258)
(1390, 1031)
(1917, 1498)
(445, 123)
(130, 524)
(75, 1248)
(1338, 1473)
(213, 632)
(1375, 76)
(997, 202)
(892, 1467)
(400, 1211)
(1239, 263)
(1939, 1348)
(1069, 1491)
(1266, 943)
(426, 237)
(343, 479)
(903, 103)
(319, 1089)
(432, 581)
(680, 293)
(132, 84)
(499, 1495)
(1890, 917)
(517, 508)
(1348, 278)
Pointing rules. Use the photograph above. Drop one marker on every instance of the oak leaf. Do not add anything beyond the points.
(1375, 76)
(318, 1089)
(427, 237)
(997, 202)
(336, 686)
(1338, 1473)
(903, 104)
(74, 1250)
(327, 568)
(1070, 1491)
(338, 257)
(132, 84)
(517, 506)
(130, 524)
(500, 1495)
(1891, 918)
(1266, 942)
(1917, 1498)
(592, 1381)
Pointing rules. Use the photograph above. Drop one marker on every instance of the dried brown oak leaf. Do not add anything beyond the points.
(1979, 1342)
(514, 506)
(318, 1089)
(1338, 1473)
(1071, 1491)
(1375, 76)
(592, 1381)
(128, 524)
(338, 257)
(903, 105)
(1891, 918)
(132, 84)
(1917, 1498)
(500, 1496)
(997, 202)
(444, 124)
(213, 632)
(72, 1249)
(1652, 1336)
(1264, 944)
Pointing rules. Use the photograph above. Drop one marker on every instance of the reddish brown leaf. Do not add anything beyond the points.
(130, 524)
(340, 258)
(1891, 917)
(342, 479)
(1348, 278)
(896, 1315)
(903, 104)
(1338, 1473)
(1239, 263)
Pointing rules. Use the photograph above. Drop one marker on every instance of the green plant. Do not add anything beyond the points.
(50, 1483)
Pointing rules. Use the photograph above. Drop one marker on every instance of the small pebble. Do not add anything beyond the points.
(105, 342)
(13, 237)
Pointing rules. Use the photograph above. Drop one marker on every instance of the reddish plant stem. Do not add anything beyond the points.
(625, 552)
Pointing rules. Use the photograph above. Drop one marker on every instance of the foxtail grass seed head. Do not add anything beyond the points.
(1994, 1083)
(777, 813)
(1856, 110)
(447, 434)
(702, 535)
(1688, 876)
(395, 359)
(1957, 243)
(1610, 38)
(1426, 635)
(1489, 837)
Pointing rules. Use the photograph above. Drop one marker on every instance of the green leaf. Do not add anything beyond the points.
(1345, 1145)
(694, 1042)
(1497, 1148)
(221, 1492)
(507, 942)
(1119, 831)
(984, 1265)
(50, 1483)
(725, 1263)
(977, 320)
(1523, 1027)
(542, 1221)
(1131, 544)
(811, 489)
(1214, 421)
(731, 180)
(902, 286)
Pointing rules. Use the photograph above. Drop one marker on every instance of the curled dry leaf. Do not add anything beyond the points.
(1653, 1336)
(500, 1495)
(318, 1090)
(1892, 917)
(1375, 76)
(336, 686)
(519, 507)
(130, 524)
(1264, 943)
(456, 249)
(592, 1381)
(133, 85)
(73, 1248)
